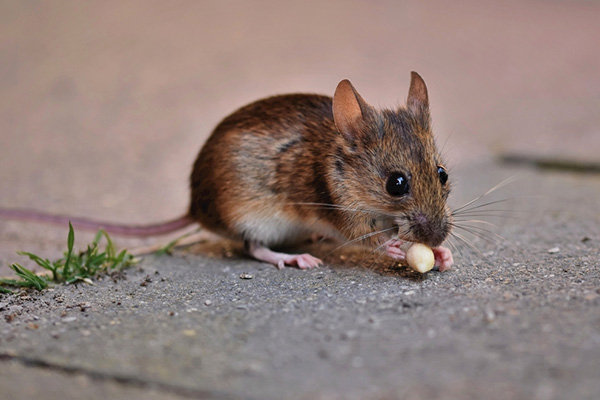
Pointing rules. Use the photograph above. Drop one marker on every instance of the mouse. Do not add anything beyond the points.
(288, 168)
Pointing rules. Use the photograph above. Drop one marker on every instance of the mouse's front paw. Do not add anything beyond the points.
(393, 249)
(443, 258)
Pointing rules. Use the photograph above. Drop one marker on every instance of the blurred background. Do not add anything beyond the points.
(104, 105)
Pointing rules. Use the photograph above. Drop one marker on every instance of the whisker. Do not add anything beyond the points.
(343, 208)
(467, 242)
(481, 236)
(460, 211)
(503, 210)
(485, 234)
(375, 262)
(443, 150)
(360, 238)
(478, 214)
(493, 189)
(477, 227)
(474, 221)
(375, 250)
(492, 212)
(454, 247)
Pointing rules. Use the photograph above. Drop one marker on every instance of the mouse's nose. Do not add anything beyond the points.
(428, 230)
(420, 219)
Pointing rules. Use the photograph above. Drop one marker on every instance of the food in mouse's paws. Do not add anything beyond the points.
(420, 257)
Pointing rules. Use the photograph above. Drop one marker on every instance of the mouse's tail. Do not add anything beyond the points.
(161, 228)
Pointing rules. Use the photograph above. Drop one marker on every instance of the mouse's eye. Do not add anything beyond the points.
(397, 184)
(442, 174)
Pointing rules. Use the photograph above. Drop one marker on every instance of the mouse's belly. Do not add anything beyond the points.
(273, 227)
(249, 209)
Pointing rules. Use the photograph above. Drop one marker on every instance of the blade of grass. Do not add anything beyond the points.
(44, 263)
(14, 282)
(70, 243)
(5, 291)
(110, 247)
(168, 248)
(29, 276)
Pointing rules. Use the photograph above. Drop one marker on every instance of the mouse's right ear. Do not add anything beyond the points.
(418, 99)
(348, 109)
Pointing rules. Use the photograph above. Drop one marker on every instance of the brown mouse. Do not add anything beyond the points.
(282, 169)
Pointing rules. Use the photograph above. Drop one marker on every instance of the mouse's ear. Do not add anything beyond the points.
(348, 109)
(418, 100)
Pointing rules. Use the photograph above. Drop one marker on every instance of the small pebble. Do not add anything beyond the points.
(490, 316)
(553, 250)
(246, 276)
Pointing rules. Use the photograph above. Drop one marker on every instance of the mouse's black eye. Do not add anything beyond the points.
(397, 184)
(442, 174)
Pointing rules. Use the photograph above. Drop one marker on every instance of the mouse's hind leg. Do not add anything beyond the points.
(280, 260)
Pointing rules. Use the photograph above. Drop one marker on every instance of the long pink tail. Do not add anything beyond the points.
(160, 228)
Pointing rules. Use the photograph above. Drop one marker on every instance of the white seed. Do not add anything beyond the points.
(420, 257)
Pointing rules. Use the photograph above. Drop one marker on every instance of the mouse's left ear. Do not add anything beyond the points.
(418, 100)
(348, 110)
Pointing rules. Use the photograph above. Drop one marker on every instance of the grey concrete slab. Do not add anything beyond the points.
(517, 321)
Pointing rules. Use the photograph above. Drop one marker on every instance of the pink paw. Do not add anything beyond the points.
(443, 258)
(302, 261)
(393, 250)
(280, 260)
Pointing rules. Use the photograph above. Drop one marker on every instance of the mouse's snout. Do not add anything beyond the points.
(427, 229)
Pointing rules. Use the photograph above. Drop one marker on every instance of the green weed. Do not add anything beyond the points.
(73, 266)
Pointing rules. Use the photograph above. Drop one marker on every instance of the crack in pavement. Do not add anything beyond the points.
(126, 380)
